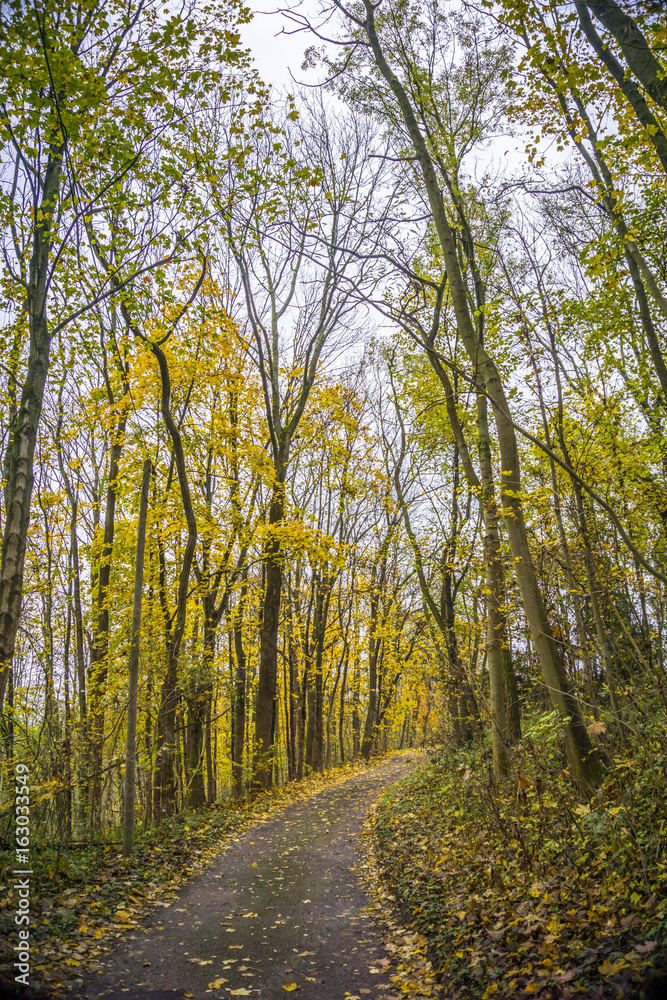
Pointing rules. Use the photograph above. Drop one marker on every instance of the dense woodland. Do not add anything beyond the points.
(328, 425)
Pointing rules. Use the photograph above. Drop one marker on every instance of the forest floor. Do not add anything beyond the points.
(285, 907)
(544, 893)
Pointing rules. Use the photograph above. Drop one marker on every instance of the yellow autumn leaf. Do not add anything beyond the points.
(290, 987)
(610, 968)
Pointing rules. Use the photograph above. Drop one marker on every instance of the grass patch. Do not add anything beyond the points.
(537, 893)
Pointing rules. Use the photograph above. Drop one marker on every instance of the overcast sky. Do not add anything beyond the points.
(275, 53)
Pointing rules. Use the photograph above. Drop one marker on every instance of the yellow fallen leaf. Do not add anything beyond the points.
(610, 968)
(254, 864)
(290, 987)
(243, 992)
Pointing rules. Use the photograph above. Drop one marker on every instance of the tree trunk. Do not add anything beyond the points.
(98, 664)
(496, 618)
(268, 644)
(238, 784)
(164, 790)
(356, 700)
(129, 795)
(19, 456)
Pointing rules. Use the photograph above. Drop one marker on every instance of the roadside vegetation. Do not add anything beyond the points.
(525, 887)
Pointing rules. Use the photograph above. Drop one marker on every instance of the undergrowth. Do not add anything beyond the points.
(522, 887)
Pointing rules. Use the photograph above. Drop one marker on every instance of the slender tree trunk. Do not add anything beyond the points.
(19, 456)
(238, 783)
(341, 711)
(199, 699)
(268, 647)
(210, 776)
(301, 729)
(98, 664)
(292, 708)
(129, 796)
(164, 790)
(496, 619)
(374, 644)
(356, 701)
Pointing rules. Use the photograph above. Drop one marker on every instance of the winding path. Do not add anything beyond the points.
(281, 907)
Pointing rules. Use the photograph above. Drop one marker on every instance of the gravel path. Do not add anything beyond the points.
(282, 907)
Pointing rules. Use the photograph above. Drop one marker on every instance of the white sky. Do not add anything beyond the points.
(275, 54)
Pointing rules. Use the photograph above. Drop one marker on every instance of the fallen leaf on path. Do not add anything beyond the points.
(242, 992)
(235, 946)
(217, 983)
(290, 987)
(201, 961)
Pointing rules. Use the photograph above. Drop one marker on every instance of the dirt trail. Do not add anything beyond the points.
(281, 906)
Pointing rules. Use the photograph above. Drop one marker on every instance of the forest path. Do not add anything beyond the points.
(281, 906)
